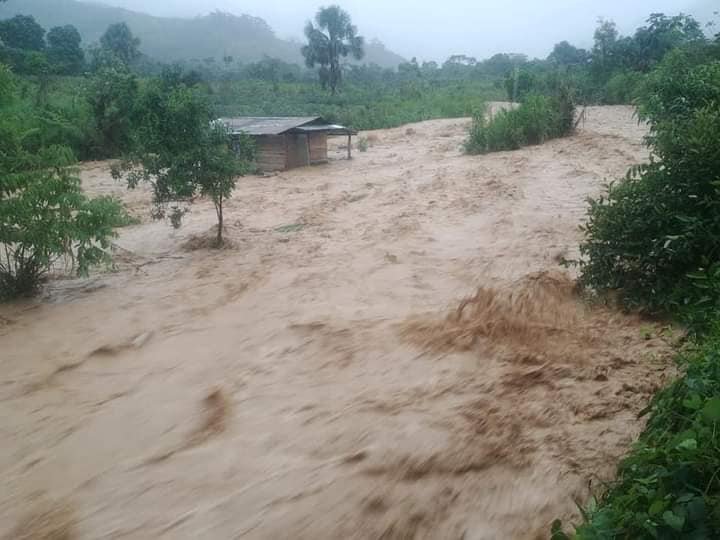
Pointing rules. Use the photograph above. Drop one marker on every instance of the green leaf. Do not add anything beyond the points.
(687, 444)
(694, 402)
(673, 520)
(711, 411)
(656, 508)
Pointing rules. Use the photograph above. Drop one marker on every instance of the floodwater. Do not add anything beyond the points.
(390, 348)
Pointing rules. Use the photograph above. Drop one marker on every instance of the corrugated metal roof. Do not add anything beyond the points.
(332, 129)
(266, 125)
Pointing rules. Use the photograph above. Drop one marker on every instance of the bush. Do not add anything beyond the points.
(44, 215)
(623, 88)
(536, 120)
(669, 486)
(655, 235)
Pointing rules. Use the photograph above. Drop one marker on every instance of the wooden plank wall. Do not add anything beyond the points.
(318, 148)
(297, 151)
(271, 153)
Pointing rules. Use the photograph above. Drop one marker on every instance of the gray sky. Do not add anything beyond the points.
(433, 30)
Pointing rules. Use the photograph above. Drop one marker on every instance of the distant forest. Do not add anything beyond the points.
(208, 39)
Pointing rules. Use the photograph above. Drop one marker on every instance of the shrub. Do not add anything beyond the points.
(623, 88)
(363, 144)
(45, 216)
(536, 120)
(655, 235)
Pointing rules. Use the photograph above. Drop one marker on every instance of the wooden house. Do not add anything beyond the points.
(287, 142)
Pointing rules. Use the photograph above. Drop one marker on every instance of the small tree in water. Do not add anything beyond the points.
(332, 37)
(181, 152)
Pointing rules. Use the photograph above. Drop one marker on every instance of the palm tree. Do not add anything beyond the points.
(331, 38)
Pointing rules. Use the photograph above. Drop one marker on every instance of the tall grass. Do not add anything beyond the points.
(536, 120)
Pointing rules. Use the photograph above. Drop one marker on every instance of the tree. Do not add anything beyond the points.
(606, 36)
(500, 64)
(22, 32)
(44, 215)
(119, 42)
(519, 84)
(218, 166)
(565, 54)
(181, 152)
(111, 94)
(410, 70)
(331, 38)
(655, 235)
(64, 51)
(662, 34)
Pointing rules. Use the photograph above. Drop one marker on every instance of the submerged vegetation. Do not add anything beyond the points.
(536, 120)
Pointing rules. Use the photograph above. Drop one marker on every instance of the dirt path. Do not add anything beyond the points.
(308, 383)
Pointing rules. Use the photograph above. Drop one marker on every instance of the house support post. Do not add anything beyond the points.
(349, 146)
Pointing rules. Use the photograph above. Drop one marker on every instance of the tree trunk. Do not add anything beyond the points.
(219, 210)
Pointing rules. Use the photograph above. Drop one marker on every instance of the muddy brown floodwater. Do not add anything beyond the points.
(390, 349)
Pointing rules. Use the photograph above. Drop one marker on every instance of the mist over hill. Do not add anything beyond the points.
(168, 39)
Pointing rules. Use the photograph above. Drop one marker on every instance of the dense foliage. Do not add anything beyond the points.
(44, 215)
(536, 120)
(655, 236)
(180, 151)
(360, 105)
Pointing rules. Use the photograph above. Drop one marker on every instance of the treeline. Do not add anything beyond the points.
(85, 98)
(614, 69)
(82, 94)
(30, 50)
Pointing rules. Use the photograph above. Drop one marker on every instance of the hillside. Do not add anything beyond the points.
(170, 39)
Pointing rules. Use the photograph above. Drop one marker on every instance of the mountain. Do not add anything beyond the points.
(170, 39)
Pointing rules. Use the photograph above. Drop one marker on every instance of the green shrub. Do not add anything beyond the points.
(623, 88)
(536, 120)
(44, 216)
(655, 235)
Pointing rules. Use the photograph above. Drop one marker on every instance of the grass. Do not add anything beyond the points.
(536, 120)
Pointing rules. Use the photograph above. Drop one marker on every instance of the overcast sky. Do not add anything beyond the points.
(433, 30)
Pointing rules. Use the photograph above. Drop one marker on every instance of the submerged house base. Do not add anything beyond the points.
(287, 142)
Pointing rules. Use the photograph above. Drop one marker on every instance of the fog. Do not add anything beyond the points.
(435, 30)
